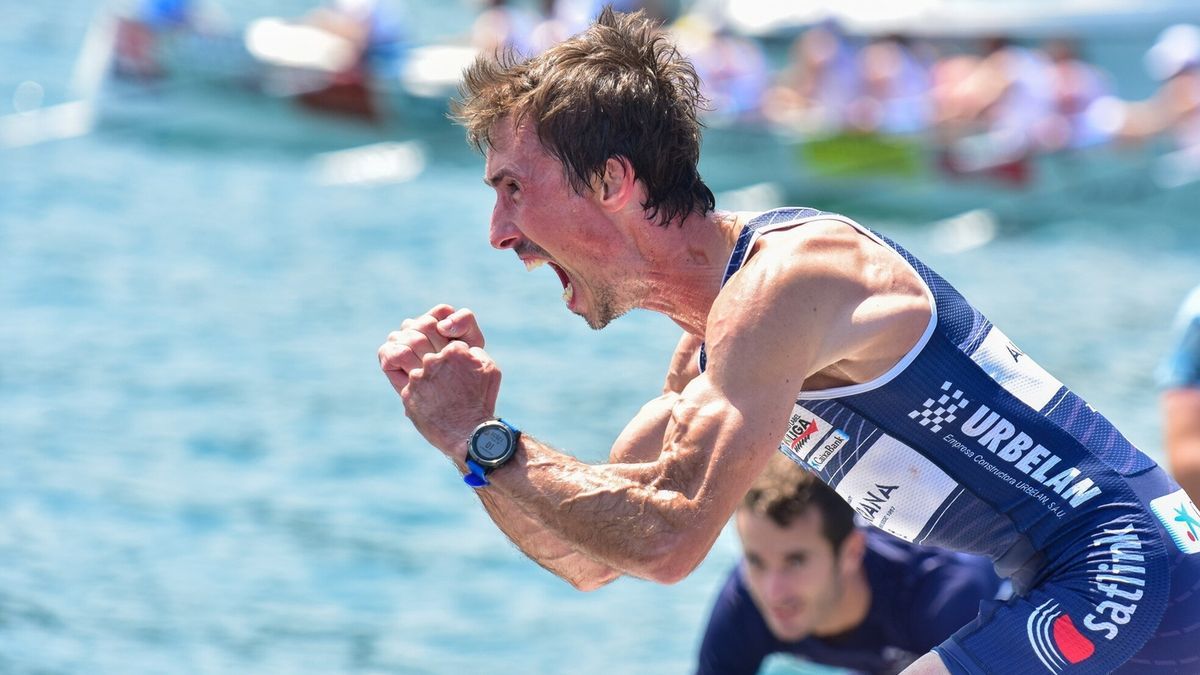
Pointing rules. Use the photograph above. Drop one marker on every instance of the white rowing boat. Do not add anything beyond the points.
(244, 82)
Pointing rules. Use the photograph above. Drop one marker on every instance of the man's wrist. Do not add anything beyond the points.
(493, 444)
(455, 443)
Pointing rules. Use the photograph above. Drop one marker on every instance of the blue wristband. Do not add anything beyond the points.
(475, 476)
(477, 470)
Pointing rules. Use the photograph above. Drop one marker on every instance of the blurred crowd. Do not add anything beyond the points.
(988, 102)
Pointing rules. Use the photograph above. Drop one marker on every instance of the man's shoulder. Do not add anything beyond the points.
(1180, 367)
(734, 597)
(736, 639)
(929, 593)
(815, 261)
(822, 293)
(1190, 309)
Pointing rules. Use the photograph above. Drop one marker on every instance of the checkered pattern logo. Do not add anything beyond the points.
(934, 413)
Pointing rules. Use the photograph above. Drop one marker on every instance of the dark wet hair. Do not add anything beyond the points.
(784, 492)
(618, 89)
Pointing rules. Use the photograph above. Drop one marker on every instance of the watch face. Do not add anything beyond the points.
(491, 444)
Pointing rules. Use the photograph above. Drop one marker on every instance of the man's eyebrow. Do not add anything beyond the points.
(496, 177)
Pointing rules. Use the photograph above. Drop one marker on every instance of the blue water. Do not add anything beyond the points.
(202, 470)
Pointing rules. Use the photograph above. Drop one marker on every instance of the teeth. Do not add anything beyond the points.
(533, 264)
(568, 293)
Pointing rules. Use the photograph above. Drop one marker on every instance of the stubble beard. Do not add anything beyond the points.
(605, 309)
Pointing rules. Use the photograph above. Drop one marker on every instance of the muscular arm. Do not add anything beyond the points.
(772, 327)
(848, 312)
(641, 441)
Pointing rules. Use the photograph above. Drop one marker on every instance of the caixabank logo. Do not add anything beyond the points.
(812, 440)
(1055, 639)
(1181, 519)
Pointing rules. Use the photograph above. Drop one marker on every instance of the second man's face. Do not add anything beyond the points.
(792, 573)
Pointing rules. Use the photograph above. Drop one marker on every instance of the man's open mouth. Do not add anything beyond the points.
(568, 293)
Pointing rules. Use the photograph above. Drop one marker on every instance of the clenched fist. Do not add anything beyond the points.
(447, 382)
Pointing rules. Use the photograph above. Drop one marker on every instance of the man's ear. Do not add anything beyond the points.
(854, 547)
(617, 185)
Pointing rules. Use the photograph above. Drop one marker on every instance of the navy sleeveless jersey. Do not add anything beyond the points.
(970, 445)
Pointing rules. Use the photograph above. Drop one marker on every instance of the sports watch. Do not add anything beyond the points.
(492, 444)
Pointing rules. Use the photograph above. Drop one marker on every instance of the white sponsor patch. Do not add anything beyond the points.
(804, 430)
(1015, 371)
(895, 488)
(829, 449)
(1181, 518)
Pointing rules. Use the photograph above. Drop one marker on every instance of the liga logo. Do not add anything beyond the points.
(804, 428)
(944, 410)
(1055, 639)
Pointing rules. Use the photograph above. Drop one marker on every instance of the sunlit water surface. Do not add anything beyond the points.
(202, 470)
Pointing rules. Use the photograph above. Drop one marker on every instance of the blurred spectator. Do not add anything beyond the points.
(1081, 100)
(820, 80)
(894, 95)
(138, 30)
(1179, 378)
(502, 26)
(161, 14)
(990, 107)
(332, 58)
(374, 28)
(1174, 110)
(733, 69)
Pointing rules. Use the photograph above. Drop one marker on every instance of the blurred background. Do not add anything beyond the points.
(211, 215)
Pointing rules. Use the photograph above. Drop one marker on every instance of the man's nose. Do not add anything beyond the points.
(502, 232)
(775, 585)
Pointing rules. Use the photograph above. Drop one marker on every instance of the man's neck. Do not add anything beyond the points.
(851, 609)
(685, 275)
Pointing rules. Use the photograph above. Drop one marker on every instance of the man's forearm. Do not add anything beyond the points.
(640, 441)
(543, 546)
(649, 520)
(602, 511)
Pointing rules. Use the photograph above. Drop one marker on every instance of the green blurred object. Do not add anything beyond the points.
(849, 155)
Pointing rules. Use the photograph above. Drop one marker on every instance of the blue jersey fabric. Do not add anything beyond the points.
(970, 445)
(919, 597)
(1181, 368)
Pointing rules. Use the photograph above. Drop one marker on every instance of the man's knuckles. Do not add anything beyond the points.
(453, 352)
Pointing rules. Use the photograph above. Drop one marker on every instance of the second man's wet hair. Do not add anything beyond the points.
(785, 492)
